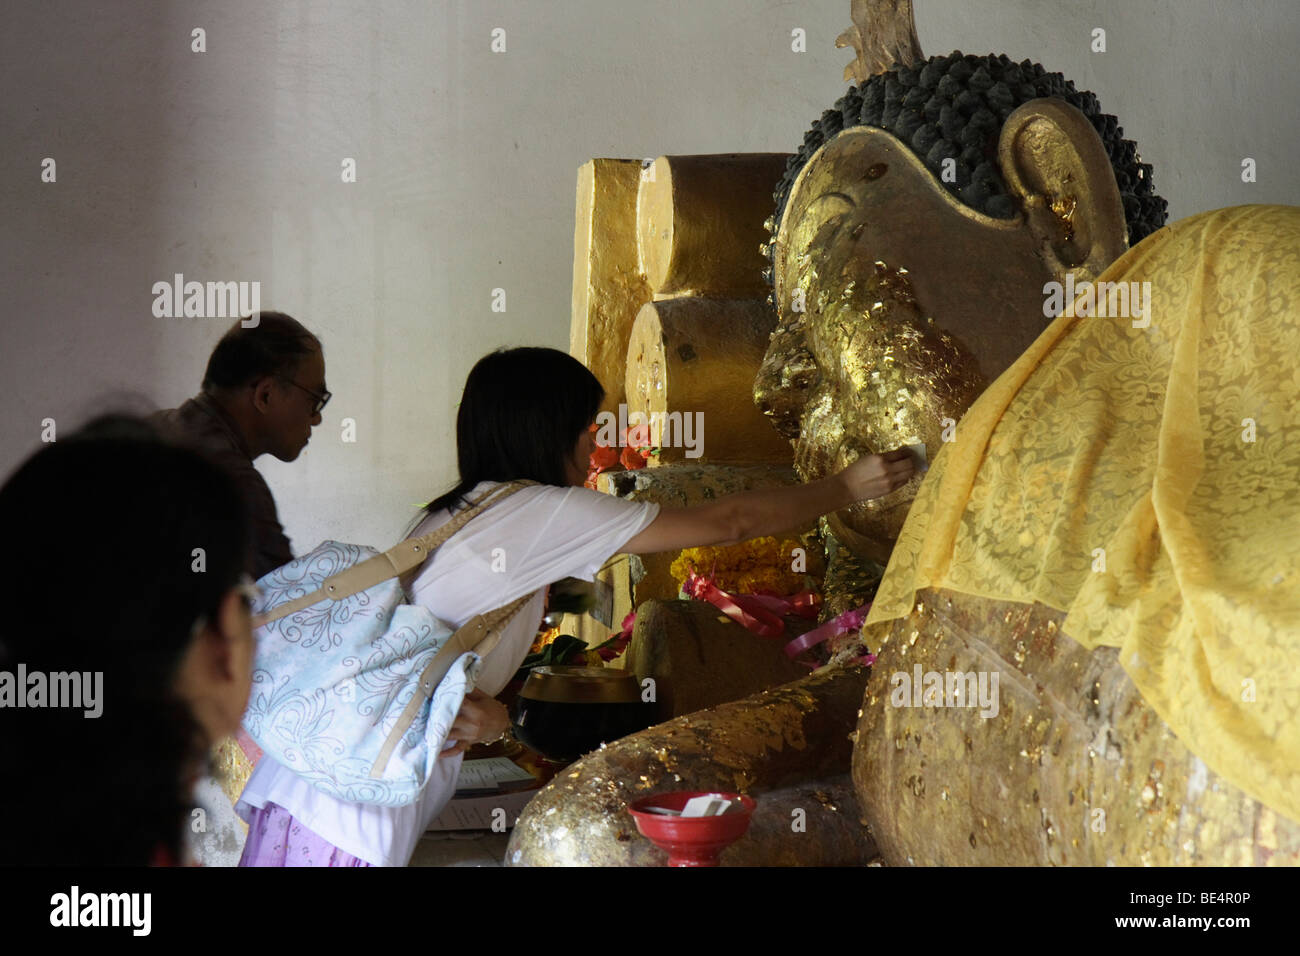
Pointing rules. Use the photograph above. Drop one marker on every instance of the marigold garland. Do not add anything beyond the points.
(544, 637)
(761, 564)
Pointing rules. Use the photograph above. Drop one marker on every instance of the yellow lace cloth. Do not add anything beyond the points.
(1146, 481)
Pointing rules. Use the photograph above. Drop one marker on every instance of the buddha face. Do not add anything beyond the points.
(898, 304)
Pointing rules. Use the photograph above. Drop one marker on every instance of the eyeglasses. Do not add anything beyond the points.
(322, 399)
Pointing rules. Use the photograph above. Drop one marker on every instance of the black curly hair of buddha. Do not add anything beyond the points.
(953, 107)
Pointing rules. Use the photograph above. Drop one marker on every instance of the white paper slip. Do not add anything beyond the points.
(708, 805)
(490, 773)
(919, 457)
(483, 813)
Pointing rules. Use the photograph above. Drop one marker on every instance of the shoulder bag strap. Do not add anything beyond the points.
(479, 634)
(394, 562)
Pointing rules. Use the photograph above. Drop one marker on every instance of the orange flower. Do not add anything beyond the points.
(604, 458)
(632, 459)
(636, 447)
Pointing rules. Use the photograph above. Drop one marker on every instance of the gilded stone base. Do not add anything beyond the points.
(782, 738)
(698, 657)
(1073, 769)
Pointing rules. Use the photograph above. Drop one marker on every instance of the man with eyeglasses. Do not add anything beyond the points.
(262, 393)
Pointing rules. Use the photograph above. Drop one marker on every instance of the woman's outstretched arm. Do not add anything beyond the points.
(752, 514)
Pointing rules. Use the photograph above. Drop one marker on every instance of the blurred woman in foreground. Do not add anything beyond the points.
(125, 649)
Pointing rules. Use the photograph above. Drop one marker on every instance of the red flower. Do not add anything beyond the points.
(636, 447)
(632, 459)
(604, 458)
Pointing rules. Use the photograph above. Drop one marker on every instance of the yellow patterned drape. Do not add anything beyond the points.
(1146, 481)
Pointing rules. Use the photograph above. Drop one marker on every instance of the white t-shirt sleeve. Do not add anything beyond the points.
(576, 531)
(533, 538)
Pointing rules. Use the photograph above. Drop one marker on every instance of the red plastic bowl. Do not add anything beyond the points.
(691, 841)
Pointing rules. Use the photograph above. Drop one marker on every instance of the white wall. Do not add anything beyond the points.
(225, 165)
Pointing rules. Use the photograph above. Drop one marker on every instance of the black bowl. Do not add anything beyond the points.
(565, 712)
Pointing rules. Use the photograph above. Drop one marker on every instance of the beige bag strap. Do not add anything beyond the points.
(479, 634)
(394, 562)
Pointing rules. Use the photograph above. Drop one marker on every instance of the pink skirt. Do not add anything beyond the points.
(275, 838)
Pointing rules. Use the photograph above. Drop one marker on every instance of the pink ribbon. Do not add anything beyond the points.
(761, 613)
(848, 621)
(615, 645)
(805, 604)
(748, 610)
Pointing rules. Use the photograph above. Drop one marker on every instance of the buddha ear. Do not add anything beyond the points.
(808, 223)
(1054, 163)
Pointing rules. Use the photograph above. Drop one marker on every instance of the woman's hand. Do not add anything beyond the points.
(481, 718)
(872, 476)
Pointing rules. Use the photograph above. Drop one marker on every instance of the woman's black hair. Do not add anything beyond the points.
(521, 414)
(102, 572)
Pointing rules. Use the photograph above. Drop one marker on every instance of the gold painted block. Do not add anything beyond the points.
(608, 285)
(699, 222)
(691, 364)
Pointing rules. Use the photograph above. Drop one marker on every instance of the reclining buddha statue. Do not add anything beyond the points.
(1088, 615)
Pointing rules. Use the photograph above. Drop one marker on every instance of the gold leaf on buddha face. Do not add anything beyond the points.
(913, 303)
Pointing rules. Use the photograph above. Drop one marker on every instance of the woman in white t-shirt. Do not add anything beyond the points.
(525, 414)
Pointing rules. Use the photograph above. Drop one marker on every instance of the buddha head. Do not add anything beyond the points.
(917, 233)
